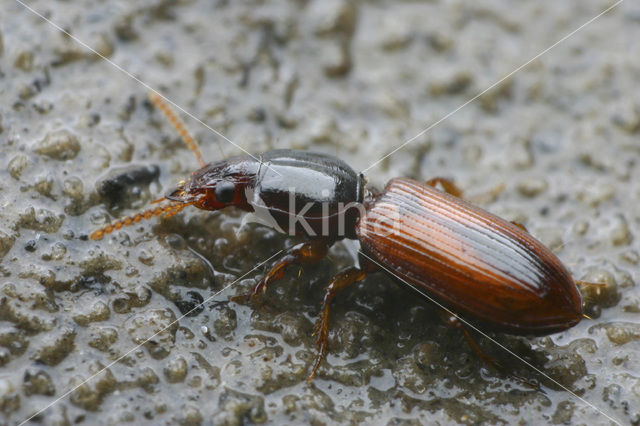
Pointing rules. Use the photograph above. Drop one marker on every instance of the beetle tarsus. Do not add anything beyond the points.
(338, 283)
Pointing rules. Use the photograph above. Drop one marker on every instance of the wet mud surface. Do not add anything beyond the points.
(80, 145)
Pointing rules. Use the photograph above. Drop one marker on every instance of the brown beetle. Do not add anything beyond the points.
(469, 260)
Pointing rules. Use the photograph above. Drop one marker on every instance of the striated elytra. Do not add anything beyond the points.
(476, 263)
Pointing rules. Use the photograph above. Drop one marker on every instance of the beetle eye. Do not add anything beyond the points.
(225, 191)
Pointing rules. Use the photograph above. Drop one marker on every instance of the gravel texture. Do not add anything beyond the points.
(80, 146)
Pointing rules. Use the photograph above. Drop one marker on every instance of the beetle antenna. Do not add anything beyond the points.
(168, 211)
(158, 101)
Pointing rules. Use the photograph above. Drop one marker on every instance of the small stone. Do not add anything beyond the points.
(408, 374)
(451, 84)
(289, 402)
(59, 145)
(333, 17)
(490, 100)
(57, 415)
(580, 227)
(98, 311)
(147, 379)
(146, 258)
(519, 154)
(395, 35)
(632, 257)
(628, 120)
(27, 91)
(189, 415)
(620, 332)
(73, 188)
(176, 370)
(102, 338)
(98, 262)
(532, 187)
(9, 399)
(322, 129)
(191, 304)
(563, 413)
(125, 30)
(236, 407)
(603, 296)
(14, 340)
(165, 58)
(597, 193)
(37, 382)
(5, 356)
(293, 327)
(566, 366)
(620, 234)
(17, 165)
(34, 320)
(611, 395)
(103, 46)
(24, 60)
(336, 59)
(6, 242)
(156, 329)
(427, 355)
(55, 346)
(44, 186)
(392, 106)
(137, 298)
(56, 252)
(225, 321)
(89, 394)
(440, 42)
(41, 220)
(256, 114)
(122, 185)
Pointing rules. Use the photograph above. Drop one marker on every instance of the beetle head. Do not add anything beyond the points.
(215, 186)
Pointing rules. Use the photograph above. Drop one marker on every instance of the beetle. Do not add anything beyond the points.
(472, 262)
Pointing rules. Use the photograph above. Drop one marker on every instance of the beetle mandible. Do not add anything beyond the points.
(473, 262)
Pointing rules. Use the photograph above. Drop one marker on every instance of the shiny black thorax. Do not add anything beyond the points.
(303, 193)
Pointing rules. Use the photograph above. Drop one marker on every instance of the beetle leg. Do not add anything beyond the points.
(338, 283)
(451, 188)
(301, 254)
(521, 226)
(447, 184)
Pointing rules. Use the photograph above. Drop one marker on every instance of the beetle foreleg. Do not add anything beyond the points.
(300, 254)
(338, 283)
